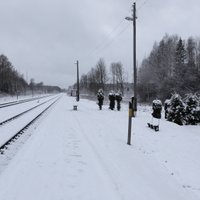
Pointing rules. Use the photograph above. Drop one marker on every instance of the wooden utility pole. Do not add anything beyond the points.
(134, 58)
(130, 115)
(133, 103)
(77, 92)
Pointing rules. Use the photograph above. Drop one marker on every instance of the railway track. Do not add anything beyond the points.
(12, 103)
(19, 133)
(22, 113)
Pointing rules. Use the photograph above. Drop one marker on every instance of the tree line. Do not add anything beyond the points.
(99, 77)
(13, 83)
(173, 66)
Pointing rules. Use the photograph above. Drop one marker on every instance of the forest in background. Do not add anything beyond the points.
(13, 83)
(173, 66)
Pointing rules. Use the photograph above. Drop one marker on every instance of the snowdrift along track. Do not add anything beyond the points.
(22, 130)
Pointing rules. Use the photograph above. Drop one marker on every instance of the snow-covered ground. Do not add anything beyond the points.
(83, 155)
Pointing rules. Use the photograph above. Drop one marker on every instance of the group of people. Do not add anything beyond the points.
(112, 98)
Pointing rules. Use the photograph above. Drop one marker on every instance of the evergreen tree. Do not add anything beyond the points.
(192, 109)
(191, 52)
(11, 81)
(172, 66)
(180, 67)
(176, 110)
(191, 78)
(180, 54)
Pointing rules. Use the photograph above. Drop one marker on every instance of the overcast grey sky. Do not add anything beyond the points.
(44, 38)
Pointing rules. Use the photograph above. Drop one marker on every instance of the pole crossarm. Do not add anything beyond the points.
(129, 18)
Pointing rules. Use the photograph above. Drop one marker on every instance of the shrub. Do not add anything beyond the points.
(192, 109)
(176, 110)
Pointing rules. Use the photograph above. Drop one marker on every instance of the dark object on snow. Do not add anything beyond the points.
(118, 97)
(100, 98)
(112, 100)
(75, 107)
(155, 127)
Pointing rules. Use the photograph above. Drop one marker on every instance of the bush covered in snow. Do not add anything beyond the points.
(185, 111)
(176, 110)
(192, 109)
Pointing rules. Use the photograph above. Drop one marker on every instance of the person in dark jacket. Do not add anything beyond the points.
(118, 97)
(100, 98)
(157, 108)
(111, 97)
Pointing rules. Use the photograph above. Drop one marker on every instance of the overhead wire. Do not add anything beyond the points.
(109, 38)
(113, 39)
(142, 5)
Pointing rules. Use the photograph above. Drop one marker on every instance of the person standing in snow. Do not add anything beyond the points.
(156, 115)
(111, 97)
(100, 98)
(157, 108)
(118, 97)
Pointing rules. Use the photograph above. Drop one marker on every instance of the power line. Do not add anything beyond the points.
(113, 39)
(106, 38)
(142, 5)
(107, 41)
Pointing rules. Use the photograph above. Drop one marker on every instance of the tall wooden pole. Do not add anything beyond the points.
(77, 95)
(133, 103)
(134, 58)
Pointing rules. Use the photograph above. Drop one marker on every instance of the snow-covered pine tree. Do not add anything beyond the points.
(180, 66)
(180, 54)
(198, 112)
(192, 109)
(176, 110)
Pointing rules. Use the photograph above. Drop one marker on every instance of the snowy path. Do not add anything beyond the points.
(83, 155)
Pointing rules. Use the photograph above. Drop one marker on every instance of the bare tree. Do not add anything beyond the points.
(101, 73)
(117, 76)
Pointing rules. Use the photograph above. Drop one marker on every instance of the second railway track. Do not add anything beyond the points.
(14, 134)
(22, 113)
(13, 103)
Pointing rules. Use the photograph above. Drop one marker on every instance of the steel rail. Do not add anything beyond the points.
(3, 105)
(19, 133)
(20, 114)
